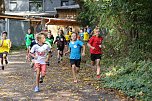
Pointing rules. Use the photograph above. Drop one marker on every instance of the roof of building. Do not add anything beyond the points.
(28, 13)
(68, 7)
(58, 21)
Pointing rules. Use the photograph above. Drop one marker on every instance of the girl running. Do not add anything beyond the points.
(29, 37)
(75, 54)
(61, 43)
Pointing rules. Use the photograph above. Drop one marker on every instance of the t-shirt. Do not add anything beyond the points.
(50, 40)
(40, 52)
(75, 49)
(33, 43)
(67, 37)
(95, 42)
(5, 46)
(86, 36)
(89, 30)
(81, 35)
(70, 33)
(61, 41)
(28, 39)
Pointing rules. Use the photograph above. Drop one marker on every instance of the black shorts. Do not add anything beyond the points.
(6, 53)
(1, 54)
(60, 48)
(67, 42)
(76, 62)
(95, 56)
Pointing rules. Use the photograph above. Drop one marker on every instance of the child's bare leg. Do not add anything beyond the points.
(58, 56)
(37, 76)
(5, 58)
(93, 63)
(1, 63)
(74, 72)
(98, 66)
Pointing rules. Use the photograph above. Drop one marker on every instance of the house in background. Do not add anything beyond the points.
(21, 14)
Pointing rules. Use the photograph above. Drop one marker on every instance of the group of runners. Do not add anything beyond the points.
(39, 50)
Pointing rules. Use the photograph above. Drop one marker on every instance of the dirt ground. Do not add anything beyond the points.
(17, 83)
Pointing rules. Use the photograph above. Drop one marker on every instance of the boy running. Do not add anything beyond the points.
(41, 53)
(5, 45)
(95, 49)
(75, 54)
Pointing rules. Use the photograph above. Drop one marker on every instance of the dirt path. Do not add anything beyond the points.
(16, 83)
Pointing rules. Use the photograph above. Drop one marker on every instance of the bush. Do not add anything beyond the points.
(134, 79)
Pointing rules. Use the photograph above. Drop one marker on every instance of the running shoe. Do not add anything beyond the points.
(2, 67)
(47, 63)
(75, 81)
(58, 61)
(6, 62)
(32, 65)
(98, 76)
(36, 89)
(41, 80)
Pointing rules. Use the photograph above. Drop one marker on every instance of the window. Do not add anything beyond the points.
(64, 2)
(13, 5)
(36, 5)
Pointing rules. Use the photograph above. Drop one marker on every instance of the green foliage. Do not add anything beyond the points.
(15, 48)
(134, 79)
(128, 43)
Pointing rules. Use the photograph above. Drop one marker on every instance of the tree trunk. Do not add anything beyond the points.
(2, 6)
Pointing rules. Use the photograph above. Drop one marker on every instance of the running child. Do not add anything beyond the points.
(50, 38)
(61, 43)
(49, 41)
(41, 53)
(29, 37)
(75, 54)
(5, 45)
(96, 50)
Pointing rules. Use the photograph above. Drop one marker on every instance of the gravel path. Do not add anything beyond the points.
(16, 83)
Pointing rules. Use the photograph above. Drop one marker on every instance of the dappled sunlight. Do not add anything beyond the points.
(6, 93)
(16, 55)
(18, 82)
(16, 62)
(6, 72)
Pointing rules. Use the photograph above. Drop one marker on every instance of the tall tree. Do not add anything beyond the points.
(2, 6)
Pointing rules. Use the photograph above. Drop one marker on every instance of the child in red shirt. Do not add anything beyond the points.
(95, 49)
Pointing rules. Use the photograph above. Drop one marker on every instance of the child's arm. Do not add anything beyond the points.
(10, 44)
(48, 56)
(89, 45)
(1, 43)
(83, 50)
(67, 52)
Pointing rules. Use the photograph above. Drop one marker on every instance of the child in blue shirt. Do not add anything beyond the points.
(75, 47)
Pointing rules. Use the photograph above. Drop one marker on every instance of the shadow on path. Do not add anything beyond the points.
(16, 83)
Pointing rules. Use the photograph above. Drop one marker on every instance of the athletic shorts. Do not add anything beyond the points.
(60, 48)
(5, 53)
(1, 55)
(76, 62)
(41, 66)
(95, 56)
(67, 42)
